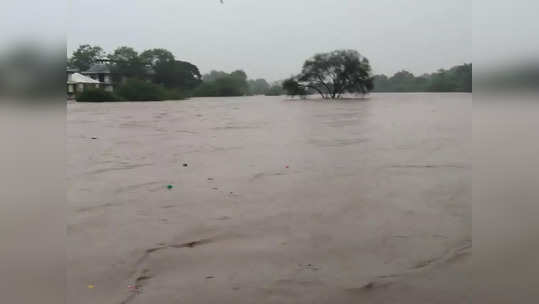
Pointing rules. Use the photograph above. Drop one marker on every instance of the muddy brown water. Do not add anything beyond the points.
(281, 202)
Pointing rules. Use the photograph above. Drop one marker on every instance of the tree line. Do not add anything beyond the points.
(219, 83)
(334, 74)
(156, 74)
(455, 79)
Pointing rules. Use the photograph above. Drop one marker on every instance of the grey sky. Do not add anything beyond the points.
(271, 38)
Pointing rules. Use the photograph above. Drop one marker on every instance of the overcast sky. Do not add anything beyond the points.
(272, 38)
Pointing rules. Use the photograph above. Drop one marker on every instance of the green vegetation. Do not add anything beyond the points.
(456, 79)
(152, 75)
(258, 87)
(164, 69)
(293, 88)
(96, 95)
(126, 63)
(333, 74)
(156, 74)
(275, 90)
(132, 90)
(85, 56)
(140, 90)
(133, 75)
(218, 83)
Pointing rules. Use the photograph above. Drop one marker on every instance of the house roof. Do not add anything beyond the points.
(79, 78)
(98, 68)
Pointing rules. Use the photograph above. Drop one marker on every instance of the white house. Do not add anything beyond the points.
(77, 82)
(101, 72)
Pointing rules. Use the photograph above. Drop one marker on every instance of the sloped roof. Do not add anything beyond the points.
(98, 68)
(79, 78)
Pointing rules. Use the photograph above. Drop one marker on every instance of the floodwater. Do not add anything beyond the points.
(271, 200)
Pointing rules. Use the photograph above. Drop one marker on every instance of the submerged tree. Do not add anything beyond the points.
(294, 88)
(258, 87)
(276, 89)
(219, 83)
(333, 74)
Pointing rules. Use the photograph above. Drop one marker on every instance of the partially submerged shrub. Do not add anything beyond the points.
(228, 85)
(294, 88)
(140, 90)
(275, 90)
(176, 94)
(96, 95)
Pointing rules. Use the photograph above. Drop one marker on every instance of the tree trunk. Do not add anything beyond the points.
(325, 86)
(317, 90)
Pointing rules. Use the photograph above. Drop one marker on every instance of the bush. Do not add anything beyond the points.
(140, 90)
(294, 88)
(176, 94)
(229, 85)
(206, 89)
(96, 95)
(275, 90)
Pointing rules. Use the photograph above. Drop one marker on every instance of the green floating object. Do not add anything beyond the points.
(170, 187)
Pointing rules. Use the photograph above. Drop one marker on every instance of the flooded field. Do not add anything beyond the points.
(266, 200)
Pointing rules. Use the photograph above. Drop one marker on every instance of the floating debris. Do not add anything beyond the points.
(369, 285)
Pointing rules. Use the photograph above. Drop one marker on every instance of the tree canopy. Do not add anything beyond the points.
(333, 74)
(218, 83)
(187, 75)
(276, 89)
(127, 63)
(213, 75)
(456, 79)
(258, 87)
(294, 88)
(158, 65)
(85, 56)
